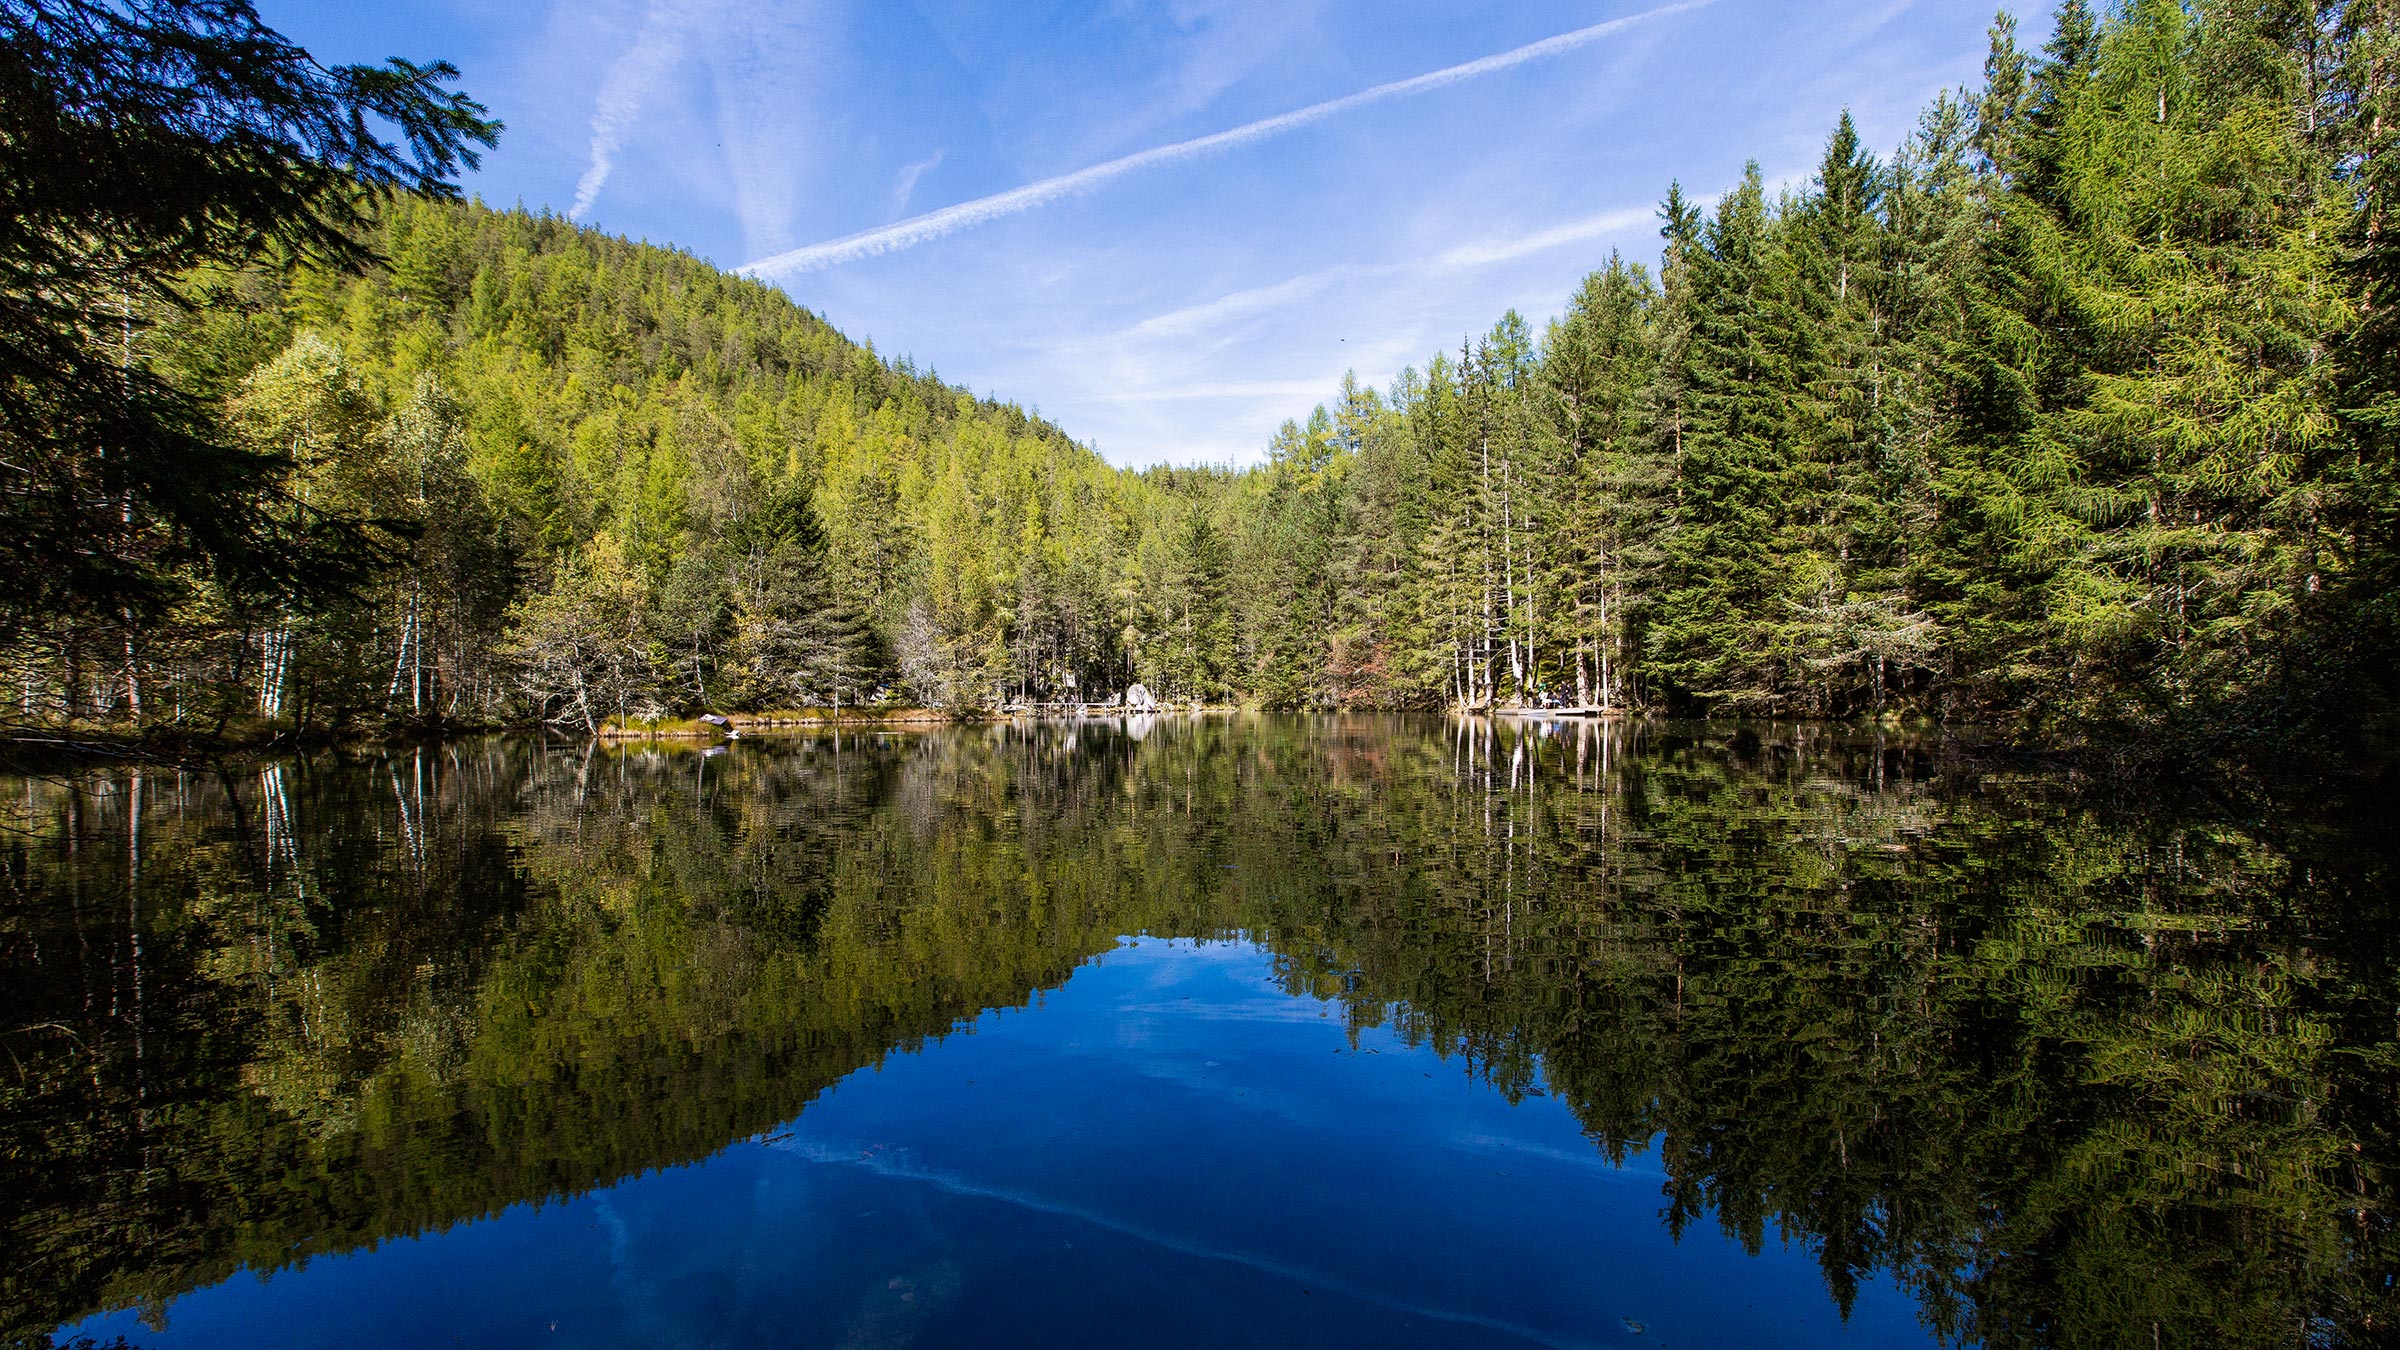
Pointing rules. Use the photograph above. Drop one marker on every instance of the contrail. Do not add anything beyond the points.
(899, 1169)
(951, 219)
(628, 85)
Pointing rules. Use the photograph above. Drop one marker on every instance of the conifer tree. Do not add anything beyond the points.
(2001, 108)
(1199, 627)
(2354, 649)
(1605, 482)
(138, 143)
(1721, 597)
(2076, 416)
(798, 641)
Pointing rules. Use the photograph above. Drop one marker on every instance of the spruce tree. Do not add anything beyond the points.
(1606, 480)
(138, 143)
(1711, 641)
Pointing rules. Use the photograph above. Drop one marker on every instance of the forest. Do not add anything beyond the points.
(2073, 415)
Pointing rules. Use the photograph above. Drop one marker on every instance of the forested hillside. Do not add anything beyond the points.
(2073, 414)
(621, 483)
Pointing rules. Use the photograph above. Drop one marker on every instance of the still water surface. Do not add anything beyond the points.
(1191, 1032)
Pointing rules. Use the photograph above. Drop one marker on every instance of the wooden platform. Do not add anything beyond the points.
(1586, 711)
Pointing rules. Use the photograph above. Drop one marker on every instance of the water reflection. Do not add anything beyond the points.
(2066, 1070)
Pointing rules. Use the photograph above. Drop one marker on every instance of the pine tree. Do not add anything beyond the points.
(1853, 628)
(1299, 523)
(2057, 83)
(2354, 651)
(1936, 209)
(1440, 598)
(138, 144)
(1199, 622)
(1722, 595)
(1605, 481)
(2000, 111)
(1389, 512)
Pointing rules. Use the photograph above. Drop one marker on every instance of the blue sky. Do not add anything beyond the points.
(1178, 307)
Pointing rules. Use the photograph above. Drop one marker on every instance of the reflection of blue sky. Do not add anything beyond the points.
(1180, 311)
(1227, 984)
(899, 1168)
(1213, 1180)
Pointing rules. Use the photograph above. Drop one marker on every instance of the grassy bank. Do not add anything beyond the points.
(181, 741)
(681, 728)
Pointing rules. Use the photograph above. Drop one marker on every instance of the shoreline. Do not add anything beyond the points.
(36, 749)
(692, 728)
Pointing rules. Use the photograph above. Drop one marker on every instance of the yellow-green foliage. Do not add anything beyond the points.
(2073, 413)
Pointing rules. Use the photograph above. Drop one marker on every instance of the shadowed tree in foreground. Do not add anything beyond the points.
(140, 141)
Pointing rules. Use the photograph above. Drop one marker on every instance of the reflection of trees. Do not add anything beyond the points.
(2075, 1077)
(202, 973)
(2076, 1074)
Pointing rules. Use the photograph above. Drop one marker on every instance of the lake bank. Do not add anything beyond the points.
(2132, 757)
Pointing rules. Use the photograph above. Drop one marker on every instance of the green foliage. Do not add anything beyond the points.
(2074, 415)
(139, 143)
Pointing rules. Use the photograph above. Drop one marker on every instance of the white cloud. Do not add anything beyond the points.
(748, 54)
(1509, 248)
(905, 185)
(1223, 389)
(1239, 305)
(949, 220)
(1488, 251)
(762, 111)
(1230, 40)
(1870, 20)
(636, 78)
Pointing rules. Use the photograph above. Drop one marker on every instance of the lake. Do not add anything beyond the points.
(1193, 1031)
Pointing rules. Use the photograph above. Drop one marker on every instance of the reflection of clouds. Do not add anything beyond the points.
(1176, 1046)
(1285, 1010)
(630, 1279)
(1220, 1081)
(1502, 1146)
(896, 1312)
(1184, 1062)
(896, 1168)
